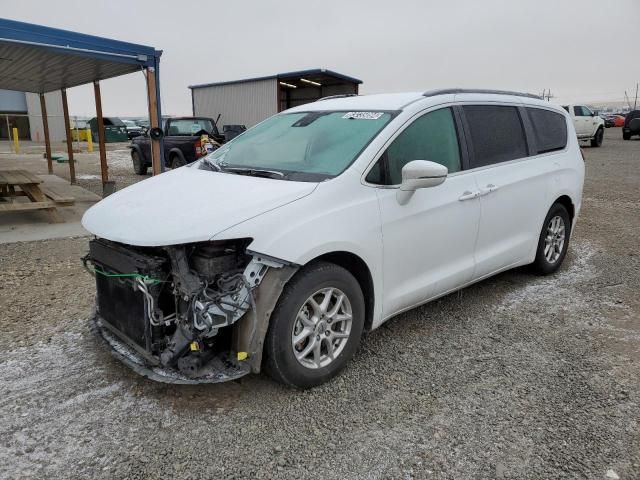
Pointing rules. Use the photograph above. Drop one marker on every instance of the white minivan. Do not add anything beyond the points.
(281, 248)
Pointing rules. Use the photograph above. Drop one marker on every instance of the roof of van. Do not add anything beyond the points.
(397, 101)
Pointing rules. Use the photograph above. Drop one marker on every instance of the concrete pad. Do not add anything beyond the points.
(34, 225)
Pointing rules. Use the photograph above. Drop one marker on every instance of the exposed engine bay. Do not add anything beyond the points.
(173, 313)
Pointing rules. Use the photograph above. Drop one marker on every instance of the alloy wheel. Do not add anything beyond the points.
(322, 328)
(554, 239)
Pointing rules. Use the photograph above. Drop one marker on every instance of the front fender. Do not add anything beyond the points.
(339, 216)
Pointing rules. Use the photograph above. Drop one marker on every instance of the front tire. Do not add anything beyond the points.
(138, 166)
(553, 241)
(626, 136)
(316, 326)
(596, 141)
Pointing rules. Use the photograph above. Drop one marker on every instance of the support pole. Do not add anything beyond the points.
(6, 117)
(45, 127)
(67, 127)
(16, 142)
(77, 135)
(154, 121)
(87, 132)
(103, 151)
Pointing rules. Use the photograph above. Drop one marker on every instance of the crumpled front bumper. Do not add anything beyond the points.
(220, 369)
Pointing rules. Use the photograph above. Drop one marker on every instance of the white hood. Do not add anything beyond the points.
(187, 205)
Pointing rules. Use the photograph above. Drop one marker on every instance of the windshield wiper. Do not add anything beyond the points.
(214, 166)
(255, 172)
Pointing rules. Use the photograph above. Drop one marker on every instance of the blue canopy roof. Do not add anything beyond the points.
(39, 59)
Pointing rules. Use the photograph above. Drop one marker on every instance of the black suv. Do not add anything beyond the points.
(631, 125)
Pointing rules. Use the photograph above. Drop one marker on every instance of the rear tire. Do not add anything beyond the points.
(596, 141)
(316, 326)
(626, 136)
(177, 161)
(553, 241)
(138, 166)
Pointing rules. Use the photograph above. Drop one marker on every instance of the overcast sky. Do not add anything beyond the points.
(584, 50)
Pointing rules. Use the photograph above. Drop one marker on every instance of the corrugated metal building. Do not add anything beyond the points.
(55, 117)
(22, 110)
(249, 101)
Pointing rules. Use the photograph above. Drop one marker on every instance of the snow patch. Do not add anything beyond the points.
(561, 288)
(62, 388)
(86, 176)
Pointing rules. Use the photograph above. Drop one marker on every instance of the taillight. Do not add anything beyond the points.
(198, 148)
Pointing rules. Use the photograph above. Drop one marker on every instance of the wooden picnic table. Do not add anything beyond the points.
(22, 183)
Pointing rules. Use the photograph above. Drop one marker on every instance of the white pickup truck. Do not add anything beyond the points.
(588, 125)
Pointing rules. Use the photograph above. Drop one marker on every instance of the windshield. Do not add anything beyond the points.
(189, 126)
(311, 145)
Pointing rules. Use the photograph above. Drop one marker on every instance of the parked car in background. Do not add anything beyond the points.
(182, 142)
(587, 124)
(280, 248)
(133, 129)
(114, 129)
(232, 131)
(618, 120)
(631, 125)
(608, 121)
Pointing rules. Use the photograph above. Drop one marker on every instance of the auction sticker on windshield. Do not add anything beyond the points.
(363, 115)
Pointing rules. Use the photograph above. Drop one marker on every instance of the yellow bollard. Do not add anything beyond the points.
(16, 142)
(89, 141)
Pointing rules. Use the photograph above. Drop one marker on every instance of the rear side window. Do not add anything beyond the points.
(496, 134)
(549, 129)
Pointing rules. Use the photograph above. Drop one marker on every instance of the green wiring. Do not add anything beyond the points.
(127, 275)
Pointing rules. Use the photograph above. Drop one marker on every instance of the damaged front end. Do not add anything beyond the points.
(185, 313)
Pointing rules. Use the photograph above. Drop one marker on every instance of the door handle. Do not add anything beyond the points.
(488, 189)
(467, 195)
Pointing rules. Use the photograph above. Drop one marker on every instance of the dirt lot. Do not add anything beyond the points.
(515, 377)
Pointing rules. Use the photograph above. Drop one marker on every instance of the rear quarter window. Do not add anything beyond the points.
(549, 129)
(496, 132)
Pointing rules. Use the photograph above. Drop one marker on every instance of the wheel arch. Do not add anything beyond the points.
(360, 270)
(567, 203)
(175, 152)
(138, 150)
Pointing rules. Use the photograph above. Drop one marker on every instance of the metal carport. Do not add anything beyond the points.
(39, 59)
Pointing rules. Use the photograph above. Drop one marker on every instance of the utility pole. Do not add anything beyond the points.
(549, 95)
(635, 102)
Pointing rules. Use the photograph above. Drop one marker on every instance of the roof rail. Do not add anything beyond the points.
(342, 95)
(445, 91)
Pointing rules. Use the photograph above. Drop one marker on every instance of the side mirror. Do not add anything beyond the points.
(156, 133)
(422, 174)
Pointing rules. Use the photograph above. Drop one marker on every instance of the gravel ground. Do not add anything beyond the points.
(515, 377)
